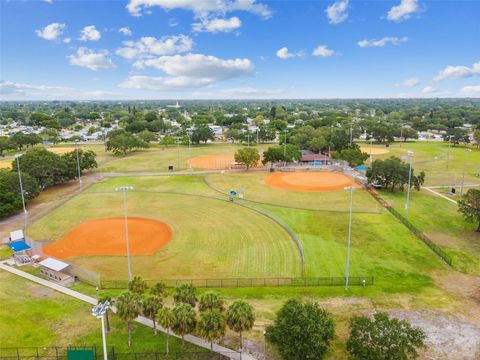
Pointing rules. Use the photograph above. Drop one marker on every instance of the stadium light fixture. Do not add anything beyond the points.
(124, 189)
(99, 312)
(410, 155)
(347, 272)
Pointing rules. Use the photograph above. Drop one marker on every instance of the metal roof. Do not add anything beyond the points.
(16, 235)
(53, 264)
(18, 246)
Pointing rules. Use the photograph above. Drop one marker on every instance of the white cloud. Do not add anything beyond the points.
(457, 72)
(411, 82)
(382, 42)
(51, 32)
(125, 31)
(252, 92)
(337, 12)
(12, 90)
(48, 1)
(403, 11)
(188, 71)
(217, 25)
(429, 90)
(284, 53)
(471, 90)
(323, 51)
(202, 7)
(67, 40)
(92, 60)
(148, 46)
(89, 33)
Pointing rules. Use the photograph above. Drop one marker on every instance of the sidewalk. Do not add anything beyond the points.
(141, 320)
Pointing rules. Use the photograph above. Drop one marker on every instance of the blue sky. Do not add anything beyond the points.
(183, 49)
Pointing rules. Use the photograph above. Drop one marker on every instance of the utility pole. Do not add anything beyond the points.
(124, 189)
(347, 272)
(25, 213)
(410, 155)
(464, 168)
(78, 167)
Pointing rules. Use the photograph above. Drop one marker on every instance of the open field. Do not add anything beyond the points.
(441, 222)
(432, 157)
(211, 237)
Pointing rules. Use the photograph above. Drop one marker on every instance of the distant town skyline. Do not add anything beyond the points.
(238, 49)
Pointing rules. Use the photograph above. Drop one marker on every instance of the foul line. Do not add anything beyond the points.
(438, 194)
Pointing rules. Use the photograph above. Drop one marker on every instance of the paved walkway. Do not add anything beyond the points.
(141, 320)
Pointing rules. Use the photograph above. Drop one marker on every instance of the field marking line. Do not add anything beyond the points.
(449, 186)
(141, 320)
(438, 194)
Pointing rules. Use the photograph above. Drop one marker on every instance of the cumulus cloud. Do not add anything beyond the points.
(188, 71)
(89, 33)
(458, 72)
(337, 12)
(217, 25)
(149, 46)
(91, 59)
(382, 42)
(284, 53)
(12, 90)
(125, 31)
(411, 82)
(51, 32)
(471, 90)
(429, 90)
(323, 51)
(403, 11)
(202, 8)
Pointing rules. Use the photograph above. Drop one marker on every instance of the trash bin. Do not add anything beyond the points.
(170, 167)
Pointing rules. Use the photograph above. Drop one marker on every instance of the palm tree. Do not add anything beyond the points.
(240, 318)
(159, 289)
(209, 301)
(137, 285)
(212, 325)
(185, 293)
(129, 306)
(102, 300)
(166, 319)
(185, 320)
(150, 306)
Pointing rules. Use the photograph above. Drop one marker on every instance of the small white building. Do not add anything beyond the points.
(56, 270)
(17, 235)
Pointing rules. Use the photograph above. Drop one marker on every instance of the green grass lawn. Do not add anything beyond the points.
(212, 238)
(32, 315)
(442, 223)
(432, 158)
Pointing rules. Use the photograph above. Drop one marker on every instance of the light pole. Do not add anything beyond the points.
(124, 189)
(464, 166)
(347, 272)
(410, 156)
(178, 152)
(448, 151)
(78, 167)
(99, 312)
(189, 133)
(285, 148)
(17, 156)
(351, 134)
(401, 134)
(371, 145)
(257, 137)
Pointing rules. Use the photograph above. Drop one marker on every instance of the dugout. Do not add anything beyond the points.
(315, 159)
(56, 270)
(21, 251)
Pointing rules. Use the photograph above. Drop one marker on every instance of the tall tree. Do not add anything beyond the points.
(248, 156)
(301, 331)
(185, 293)
(159, 289)
(212, 325)
(129, 306)
(240, 318)
(166, 319)
(209, 301)
(150, 306)
(137, 285)
(185, 320)
(383, 338)
(469, 206)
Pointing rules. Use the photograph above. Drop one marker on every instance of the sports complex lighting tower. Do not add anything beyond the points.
(99, 312)
(347, 272)
(124, 189)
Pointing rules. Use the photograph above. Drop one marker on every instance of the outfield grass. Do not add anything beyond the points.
(431, 157)
(255, 190)
(440, 220)
(158, 158)
(212, 238)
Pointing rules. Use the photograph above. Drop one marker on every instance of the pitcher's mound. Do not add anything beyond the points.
(309, 181)
(107, 237)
